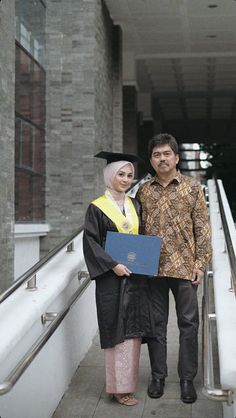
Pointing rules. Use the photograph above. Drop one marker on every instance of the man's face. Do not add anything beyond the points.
(164, 160)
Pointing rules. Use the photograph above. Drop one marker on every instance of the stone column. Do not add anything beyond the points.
(145, 129)
(7, 161)
(83, 108)
(117, 90)
(130, 107)
(130, 119)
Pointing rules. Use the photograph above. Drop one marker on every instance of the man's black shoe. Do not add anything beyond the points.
(188, 392)
(156, 388)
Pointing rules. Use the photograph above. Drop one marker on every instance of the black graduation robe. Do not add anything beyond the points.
(123, 303)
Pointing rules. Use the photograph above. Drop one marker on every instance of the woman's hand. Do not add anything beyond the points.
(121, 270)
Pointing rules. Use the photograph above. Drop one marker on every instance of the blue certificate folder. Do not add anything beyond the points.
(140, 253)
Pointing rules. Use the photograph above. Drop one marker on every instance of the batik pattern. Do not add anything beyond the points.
(122, 365)
(179, 215)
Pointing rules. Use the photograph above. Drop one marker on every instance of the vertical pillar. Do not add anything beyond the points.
(145, 129)
(70, 115)
(130, 119)
(117, 90)
(130, 109)
(7, 161)
(84, 93)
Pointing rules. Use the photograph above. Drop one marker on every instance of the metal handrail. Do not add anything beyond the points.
(228, 240)
(56, 319)
(36, 267)
(209, 389)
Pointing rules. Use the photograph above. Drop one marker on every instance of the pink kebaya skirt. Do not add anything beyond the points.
(122, 366)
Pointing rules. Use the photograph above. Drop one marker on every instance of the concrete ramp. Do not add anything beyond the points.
(86, 396)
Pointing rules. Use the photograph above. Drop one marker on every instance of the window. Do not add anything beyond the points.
(30, 27)
(30, 112)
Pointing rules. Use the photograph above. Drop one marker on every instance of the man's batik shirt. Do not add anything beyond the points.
(179, 215)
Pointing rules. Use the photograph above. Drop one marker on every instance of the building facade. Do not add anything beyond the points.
(61, 102)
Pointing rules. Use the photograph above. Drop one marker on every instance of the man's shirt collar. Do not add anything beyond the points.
(177, 178)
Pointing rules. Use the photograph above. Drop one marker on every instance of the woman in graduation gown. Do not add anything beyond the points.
(122, 298)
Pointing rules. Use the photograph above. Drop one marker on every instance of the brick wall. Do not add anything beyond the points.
(108, 92)
(83, 87)
(7, 71)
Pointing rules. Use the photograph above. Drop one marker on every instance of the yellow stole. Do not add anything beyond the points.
(115, 215)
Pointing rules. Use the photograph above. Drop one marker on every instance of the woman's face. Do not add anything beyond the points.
(123, 178)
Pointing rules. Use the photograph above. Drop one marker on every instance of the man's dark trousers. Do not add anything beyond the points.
(185, 295)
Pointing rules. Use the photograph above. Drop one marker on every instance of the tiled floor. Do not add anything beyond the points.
(86, 397)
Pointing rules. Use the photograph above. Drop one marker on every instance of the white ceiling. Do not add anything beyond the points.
(185, 55)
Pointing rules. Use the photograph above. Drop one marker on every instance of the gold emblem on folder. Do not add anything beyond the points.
(131, 256)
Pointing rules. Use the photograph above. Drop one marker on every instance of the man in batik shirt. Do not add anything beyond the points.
(174, 208)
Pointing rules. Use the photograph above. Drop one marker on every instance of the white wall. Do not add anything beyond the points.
(27, 246)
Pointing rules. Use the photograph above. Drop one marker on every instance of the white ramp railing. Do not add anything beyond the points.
(224, 313)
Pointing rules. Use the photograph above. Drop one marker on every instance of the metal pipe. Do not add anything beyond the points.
(209, 390)
(228, 240)
(48, 317)
(27, 359)
(83, 275)
(221, 395)
(70, 247)
(31, 284)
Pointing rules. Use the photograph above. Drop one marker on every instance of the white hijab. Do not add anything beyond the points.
(109, 173)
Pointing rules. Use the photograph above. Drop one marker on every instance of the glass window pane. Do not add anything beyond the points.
(30, 111)
(30, 88)
(29, 139)
(30, 27)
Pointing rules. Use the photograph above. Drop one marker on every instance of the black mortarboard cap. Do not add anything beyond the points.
(111, 157)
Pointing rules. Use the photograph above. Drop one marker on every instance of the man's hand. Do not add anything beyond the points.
(197, 276)
(121, 270)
